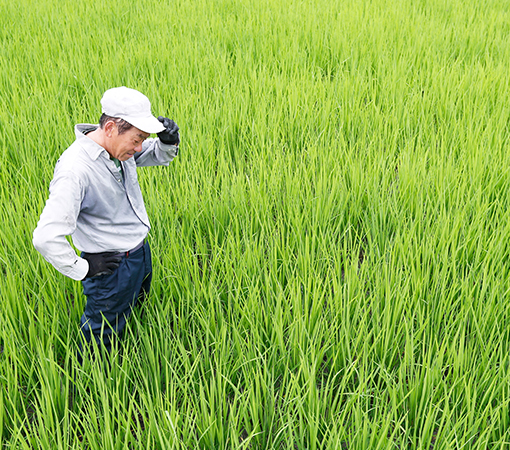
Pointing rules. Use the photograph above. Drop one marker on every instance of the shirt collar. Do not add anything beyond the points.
(93, 149)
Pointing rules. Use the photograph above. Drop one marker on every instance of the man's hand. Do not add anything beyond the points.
(170, 135)
(101, 263)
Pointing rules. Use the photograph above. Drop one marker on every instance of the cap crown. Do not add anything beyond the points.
(123, 101)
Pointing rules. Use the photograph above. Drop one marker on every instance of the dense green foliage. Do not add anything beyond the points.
(330, 247)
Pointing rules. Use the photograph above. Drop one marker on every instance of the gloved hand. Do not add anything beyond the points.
(101, 263)
(169, 136)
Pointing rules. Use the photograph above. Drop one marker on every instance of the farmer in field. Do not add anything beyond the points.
(95, 198)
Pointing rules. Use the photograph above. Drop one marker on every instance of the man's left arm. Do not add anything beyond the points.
(162, 150)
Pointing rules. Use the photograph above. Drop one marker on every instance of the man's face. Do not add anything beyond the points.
(124, 146)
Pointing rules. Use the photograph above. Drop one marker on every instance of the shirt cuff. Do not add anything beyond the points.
(78, 270)
(167, 147)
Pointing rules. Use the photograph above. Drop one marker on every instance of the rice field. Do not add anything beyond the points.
(330, 247)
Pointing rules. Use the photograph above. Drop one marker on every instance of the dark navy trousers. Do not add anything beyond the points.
(111, 298)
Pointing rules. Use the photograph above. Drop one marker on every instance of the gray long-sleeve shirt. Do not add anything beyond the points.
(91, 201)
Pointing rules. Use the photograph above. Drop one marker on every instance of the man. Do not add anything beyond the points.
(95, 198)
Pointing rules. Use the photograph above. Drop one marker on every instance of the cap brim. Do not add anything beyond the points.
(146, 124)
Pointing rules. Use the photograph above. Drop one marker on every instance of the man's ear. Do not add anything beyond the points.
(109, 128)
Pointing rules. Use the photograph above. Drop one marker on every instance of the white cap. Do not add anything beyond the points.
(133, 107)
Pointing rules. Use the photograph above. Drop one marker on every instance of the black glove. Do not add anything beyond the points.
(101, 263)
(169, 136)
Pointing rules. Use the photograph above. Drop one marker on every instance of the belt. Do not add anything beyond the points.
(126, 254)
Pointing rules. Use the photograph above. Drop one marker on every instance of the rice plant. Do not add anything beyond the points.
(330, 246)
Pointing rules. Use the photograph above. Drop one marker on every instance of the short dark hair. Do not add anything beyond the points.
(122, 125)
